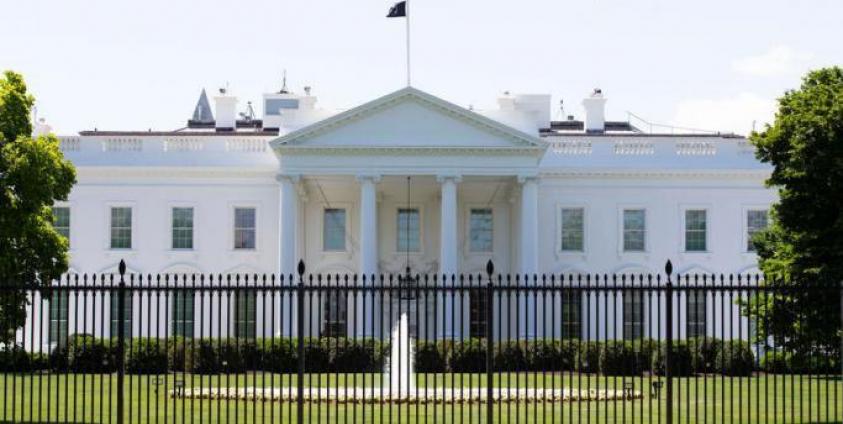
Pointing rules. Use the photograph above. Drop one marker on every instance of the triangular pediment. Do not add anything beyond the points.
(409, 118)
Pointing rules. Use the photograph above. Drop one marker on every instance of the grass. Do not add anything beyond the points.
(92, 398)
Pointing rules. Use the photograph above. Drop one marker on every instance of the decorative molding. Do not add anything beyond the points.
(408, 150)
(452, 177)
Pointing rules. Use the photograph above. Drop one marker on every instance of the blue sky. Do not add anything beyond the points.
(135, 65)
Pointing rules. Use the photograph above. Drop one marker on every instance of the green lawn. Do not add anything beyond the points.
(91, 398)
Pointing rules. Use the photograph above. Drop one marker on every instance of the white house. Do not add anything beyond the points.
(237, 193)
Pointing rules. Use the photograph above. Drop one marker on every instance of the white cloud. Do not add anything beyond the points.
(778, 61)
(734, 114)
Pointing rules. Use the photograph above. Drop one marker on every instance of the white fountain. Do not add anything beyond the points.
(400, 366)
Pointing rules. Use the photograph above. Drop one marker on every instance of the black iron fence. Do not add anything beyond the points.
(423, 348)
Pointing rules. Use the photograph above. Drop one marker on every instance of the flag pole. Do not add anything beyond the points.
(407, 13)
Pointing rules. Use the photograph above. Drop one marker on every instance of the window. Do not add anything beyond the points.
(695, 230)
(182, 319)
(61, 221)
(58, 317)
(244, 228)
(127, 314)
(572, 223)
(409, 230)
(756, 221)
(477, 313)
(571, 314)
(121, 228)
(480, 230)
(246, 315)
(633, 315)
(634, 230)
(696, 307)
(333, 230)
(182, 228)
(335, 314)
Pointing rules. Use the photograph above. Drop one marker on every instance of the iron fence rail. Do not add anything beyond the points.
(423, 348)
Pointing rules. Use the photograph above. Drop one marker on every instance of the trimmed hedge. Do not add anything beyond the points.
(681, 360)
(735, 358)
(624, 358)
(86, 354)
(146, 356)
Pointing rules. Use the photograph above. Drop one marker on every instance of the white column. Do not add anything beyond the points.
(288, 208)
(288, 211)
(365, 318)
(448, 260)
(529, 251)
(368, 224)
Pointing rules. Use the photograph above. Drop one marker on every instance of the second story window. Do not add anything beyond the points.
(333, 230)
(409, 230)
(696, 228)
(121, 228)
(756, 221)
(61, 221)
(244, 228)
(182, 228)
(634, 230)
(480, 230)
(572, 222)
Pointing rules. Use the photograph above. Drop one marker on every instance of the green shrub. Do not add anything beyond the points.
(704, 352)
(87, 354)
(350, 355)
(146, 356)
(509, 356)
(622, 358)
(588, 357)
(179, 354)
(681, 360)
(278, 355)
(430, 357)
(14, 359)
(775, 362)
(316, 357)
(468, 356)
(735, 359)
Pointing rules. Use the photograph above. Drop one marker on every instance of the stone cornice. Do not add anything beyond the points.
(410, 150)
(655, 173)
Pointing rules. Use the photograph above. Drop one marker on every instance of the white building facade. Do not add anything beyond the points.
(410, 175)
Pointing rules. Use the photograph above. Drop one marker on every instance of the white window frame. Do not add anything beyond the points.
(70, 217)
(467, 226)
(394, 220)
(232, 223)
(173, 205)
(708, 227)
(745, 225)
(349, 228)
(585, 232)
(622, 230)
(134, 222)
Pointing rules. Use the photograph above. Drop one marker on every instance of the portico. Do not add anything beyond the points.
(459, 163)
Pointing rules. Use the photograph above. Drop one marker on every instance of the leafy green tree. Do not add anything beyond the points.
(804, 244)
(33, 175)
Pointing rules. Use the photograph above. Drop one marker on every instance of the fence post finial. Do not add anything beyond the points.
(668, 268)
(301, 267)
(490, 268)
(121, 268)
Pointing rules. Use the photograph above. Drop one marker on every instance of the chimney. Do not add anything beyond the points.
(226, 111)
(41, 128)
(595, 112)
